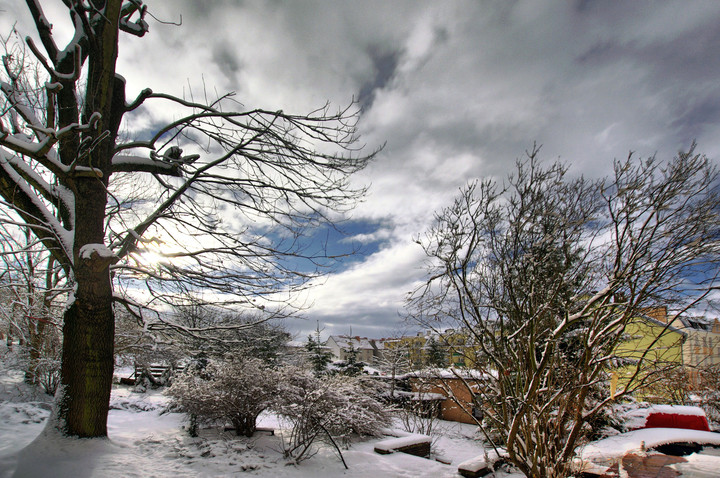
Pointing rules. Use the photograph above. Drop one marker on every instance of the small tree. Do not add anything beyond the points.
(327, 411)
(708, 392)
(545, 273)
(134, 344)
(350, 366)
(395, 360)
(235, 391)
(31, 291)
(418, 412)
(318, 357)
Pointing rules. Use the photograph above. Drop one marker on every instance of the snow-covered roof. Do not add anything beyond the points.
(295, 344)
(420, 396)
(648, 318)
(372, 370)
(670, 409)
(698, 323)
(347, 342)
(446, 373)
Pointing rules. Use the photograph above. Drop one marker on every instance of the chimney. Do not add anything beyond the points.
(657, 313)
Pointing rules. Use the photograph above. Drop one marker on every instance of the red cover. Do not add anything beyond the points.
(674, 420)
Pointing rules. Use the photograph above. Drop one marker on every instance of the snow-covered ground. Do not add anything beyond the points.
(147, 442)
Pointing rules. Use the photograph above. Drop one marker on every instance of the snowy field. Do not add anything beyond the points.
(147, 442)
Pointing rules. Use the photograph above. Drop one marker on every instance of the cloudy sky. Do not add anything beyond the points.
(456, 90)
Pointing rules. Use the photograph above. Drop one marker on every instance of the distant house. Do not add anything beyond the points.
(449, 348)
(411, 346)
(701, 344)
(460, 387)
(295, 351)
(460, 347)
(340, 346)
(702, 348)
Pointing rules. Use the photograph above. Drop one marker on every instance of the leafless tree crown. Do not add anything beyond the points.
(544, 274)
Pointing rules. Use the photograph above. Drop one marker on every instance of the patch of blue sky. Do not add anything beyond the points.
(336, 248)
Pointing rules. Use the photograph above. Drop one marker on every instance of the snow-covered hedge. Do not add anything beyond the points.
(326, 410)
(235, 391)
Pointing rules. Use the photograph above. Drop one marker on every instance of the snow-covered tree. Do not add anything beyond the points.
(133, 342)
(326, 410)
(707, 392)
(123, 214)
(395, 360)
(545, 274)
(234, 334)
(31, 289)
(234, 391)
(351, 366)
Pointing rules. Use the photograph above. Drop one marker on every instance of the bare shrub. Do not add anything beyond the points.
(236, 391)
(326, 411)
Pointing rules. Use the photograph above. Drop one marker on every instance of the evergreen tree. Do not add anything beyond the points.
(436, 354)
(351, 366)
(319, 359)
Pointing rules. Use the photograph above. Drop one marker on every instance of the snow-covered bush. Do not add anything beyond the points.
(234, 391)
(326, 411)
(29, 325)
(40, 361)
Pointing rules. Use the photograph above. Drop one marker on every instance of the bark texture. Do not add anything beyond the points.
(89, 324)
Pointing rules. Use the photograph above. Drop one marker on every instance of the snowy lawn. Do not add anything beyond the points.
(145, 442)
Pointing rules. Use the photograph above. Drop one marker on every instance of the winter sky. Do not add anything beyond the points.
(456, 89)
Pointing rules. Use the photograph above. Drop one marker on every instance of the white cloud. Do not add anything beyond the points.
(368, 296)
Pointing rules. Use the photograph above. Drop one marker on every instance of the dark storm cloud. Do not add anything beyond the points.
(384, 65)
(697, 120)
(226, 59)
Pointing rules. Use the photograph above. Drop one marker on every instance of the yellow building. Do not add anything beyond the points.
(651, 355)
(461, 348)
(411, 347)
(454, 345)
(701, 346)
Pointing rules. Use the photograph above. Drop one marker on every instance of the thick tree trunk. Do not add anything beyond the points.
(89, 328)
(89, 325)
(87, 367)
